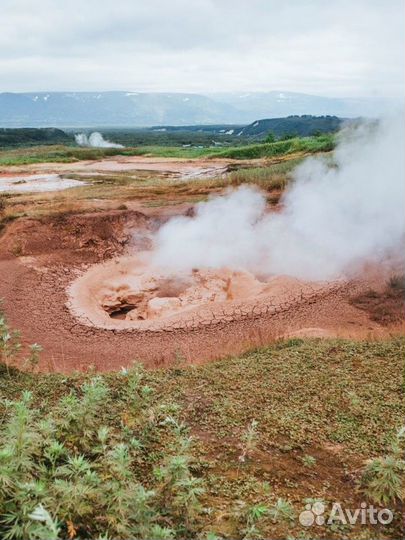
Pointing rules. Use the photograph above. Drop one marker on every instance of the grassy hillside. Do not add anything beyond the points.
(322, 143)
(232, 449)
(298, 126)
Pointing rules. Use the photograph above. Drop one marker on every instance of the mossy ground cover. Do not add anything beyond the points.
(270, 430)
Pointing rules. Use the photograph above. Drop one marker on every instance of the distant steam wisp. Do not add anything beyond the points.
(95, 140)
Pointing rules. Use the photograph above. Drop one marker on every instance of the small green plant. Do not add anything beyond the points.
(46, 528)
(254, 515)
(9, 342)
(179, 363)
(179, 490)
(302, 535)
(270, 138)
(282, 510)
(32, 361)
(382, 478)
(249, 441)
(308, 461)
(211, 536)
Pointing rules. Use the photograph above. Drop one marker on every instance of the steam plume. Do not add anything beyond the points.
(333, 217)
(95, 140)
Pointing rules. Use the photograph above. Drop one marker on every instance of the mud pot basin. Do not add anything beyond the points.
(128, 292)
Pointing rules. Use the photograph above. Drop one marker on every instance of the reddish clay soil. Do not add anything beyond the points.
(80, 322)
(386, 306)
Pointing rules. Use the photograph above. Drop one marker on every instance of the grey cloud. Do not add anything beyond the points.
(336, 48)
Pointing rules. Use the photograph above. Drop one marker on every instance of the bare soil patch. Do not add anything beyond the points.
(387, 306)
(184, 169)
(38, 183)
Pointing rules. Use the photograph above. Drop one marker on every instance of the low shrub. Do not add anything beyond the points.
(73, 471)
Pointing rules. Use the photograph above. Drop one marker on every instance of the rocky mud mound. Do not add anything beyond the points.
(127, 293)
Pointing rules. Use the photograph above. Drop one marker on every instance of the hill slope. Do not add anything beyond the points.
(302, 126)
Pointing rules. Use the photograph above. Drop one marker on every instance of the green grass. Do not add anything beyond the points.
(268, 177)
(68, 154)
(337, 401)
(57, 153)
(323, 143)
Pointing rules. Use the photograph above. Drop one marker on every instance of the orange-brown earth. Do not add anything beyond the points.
(85, 315)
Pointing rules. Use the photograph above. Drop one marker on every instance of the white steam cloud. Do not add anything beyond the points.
(332, 218)
(95, 140)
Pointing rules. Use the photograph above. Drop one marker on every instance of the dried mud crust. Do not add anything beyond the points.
(128, 293)
(54, 252)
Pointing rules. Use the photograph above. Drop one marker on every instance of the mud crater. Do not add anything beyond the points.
(147, 299)
(129, 292)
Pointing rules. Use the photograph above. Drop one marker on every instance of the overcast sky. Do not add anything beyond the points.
(324, 47)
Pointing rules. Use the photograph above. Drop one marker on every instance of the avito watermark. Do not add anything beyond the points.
(367, 514)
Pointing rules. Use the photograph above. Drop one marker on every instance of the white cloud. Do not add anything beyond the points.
(340, 48)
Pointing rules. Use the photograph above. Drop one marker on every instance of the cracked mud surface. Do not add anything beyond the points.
(41, 259)
(128, 293)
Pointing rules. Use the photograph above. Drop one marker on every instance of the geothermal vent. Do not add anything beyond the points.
(128, 292)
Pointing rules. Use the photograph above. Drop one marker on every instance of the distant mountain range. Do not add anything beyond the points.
(130, 109)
